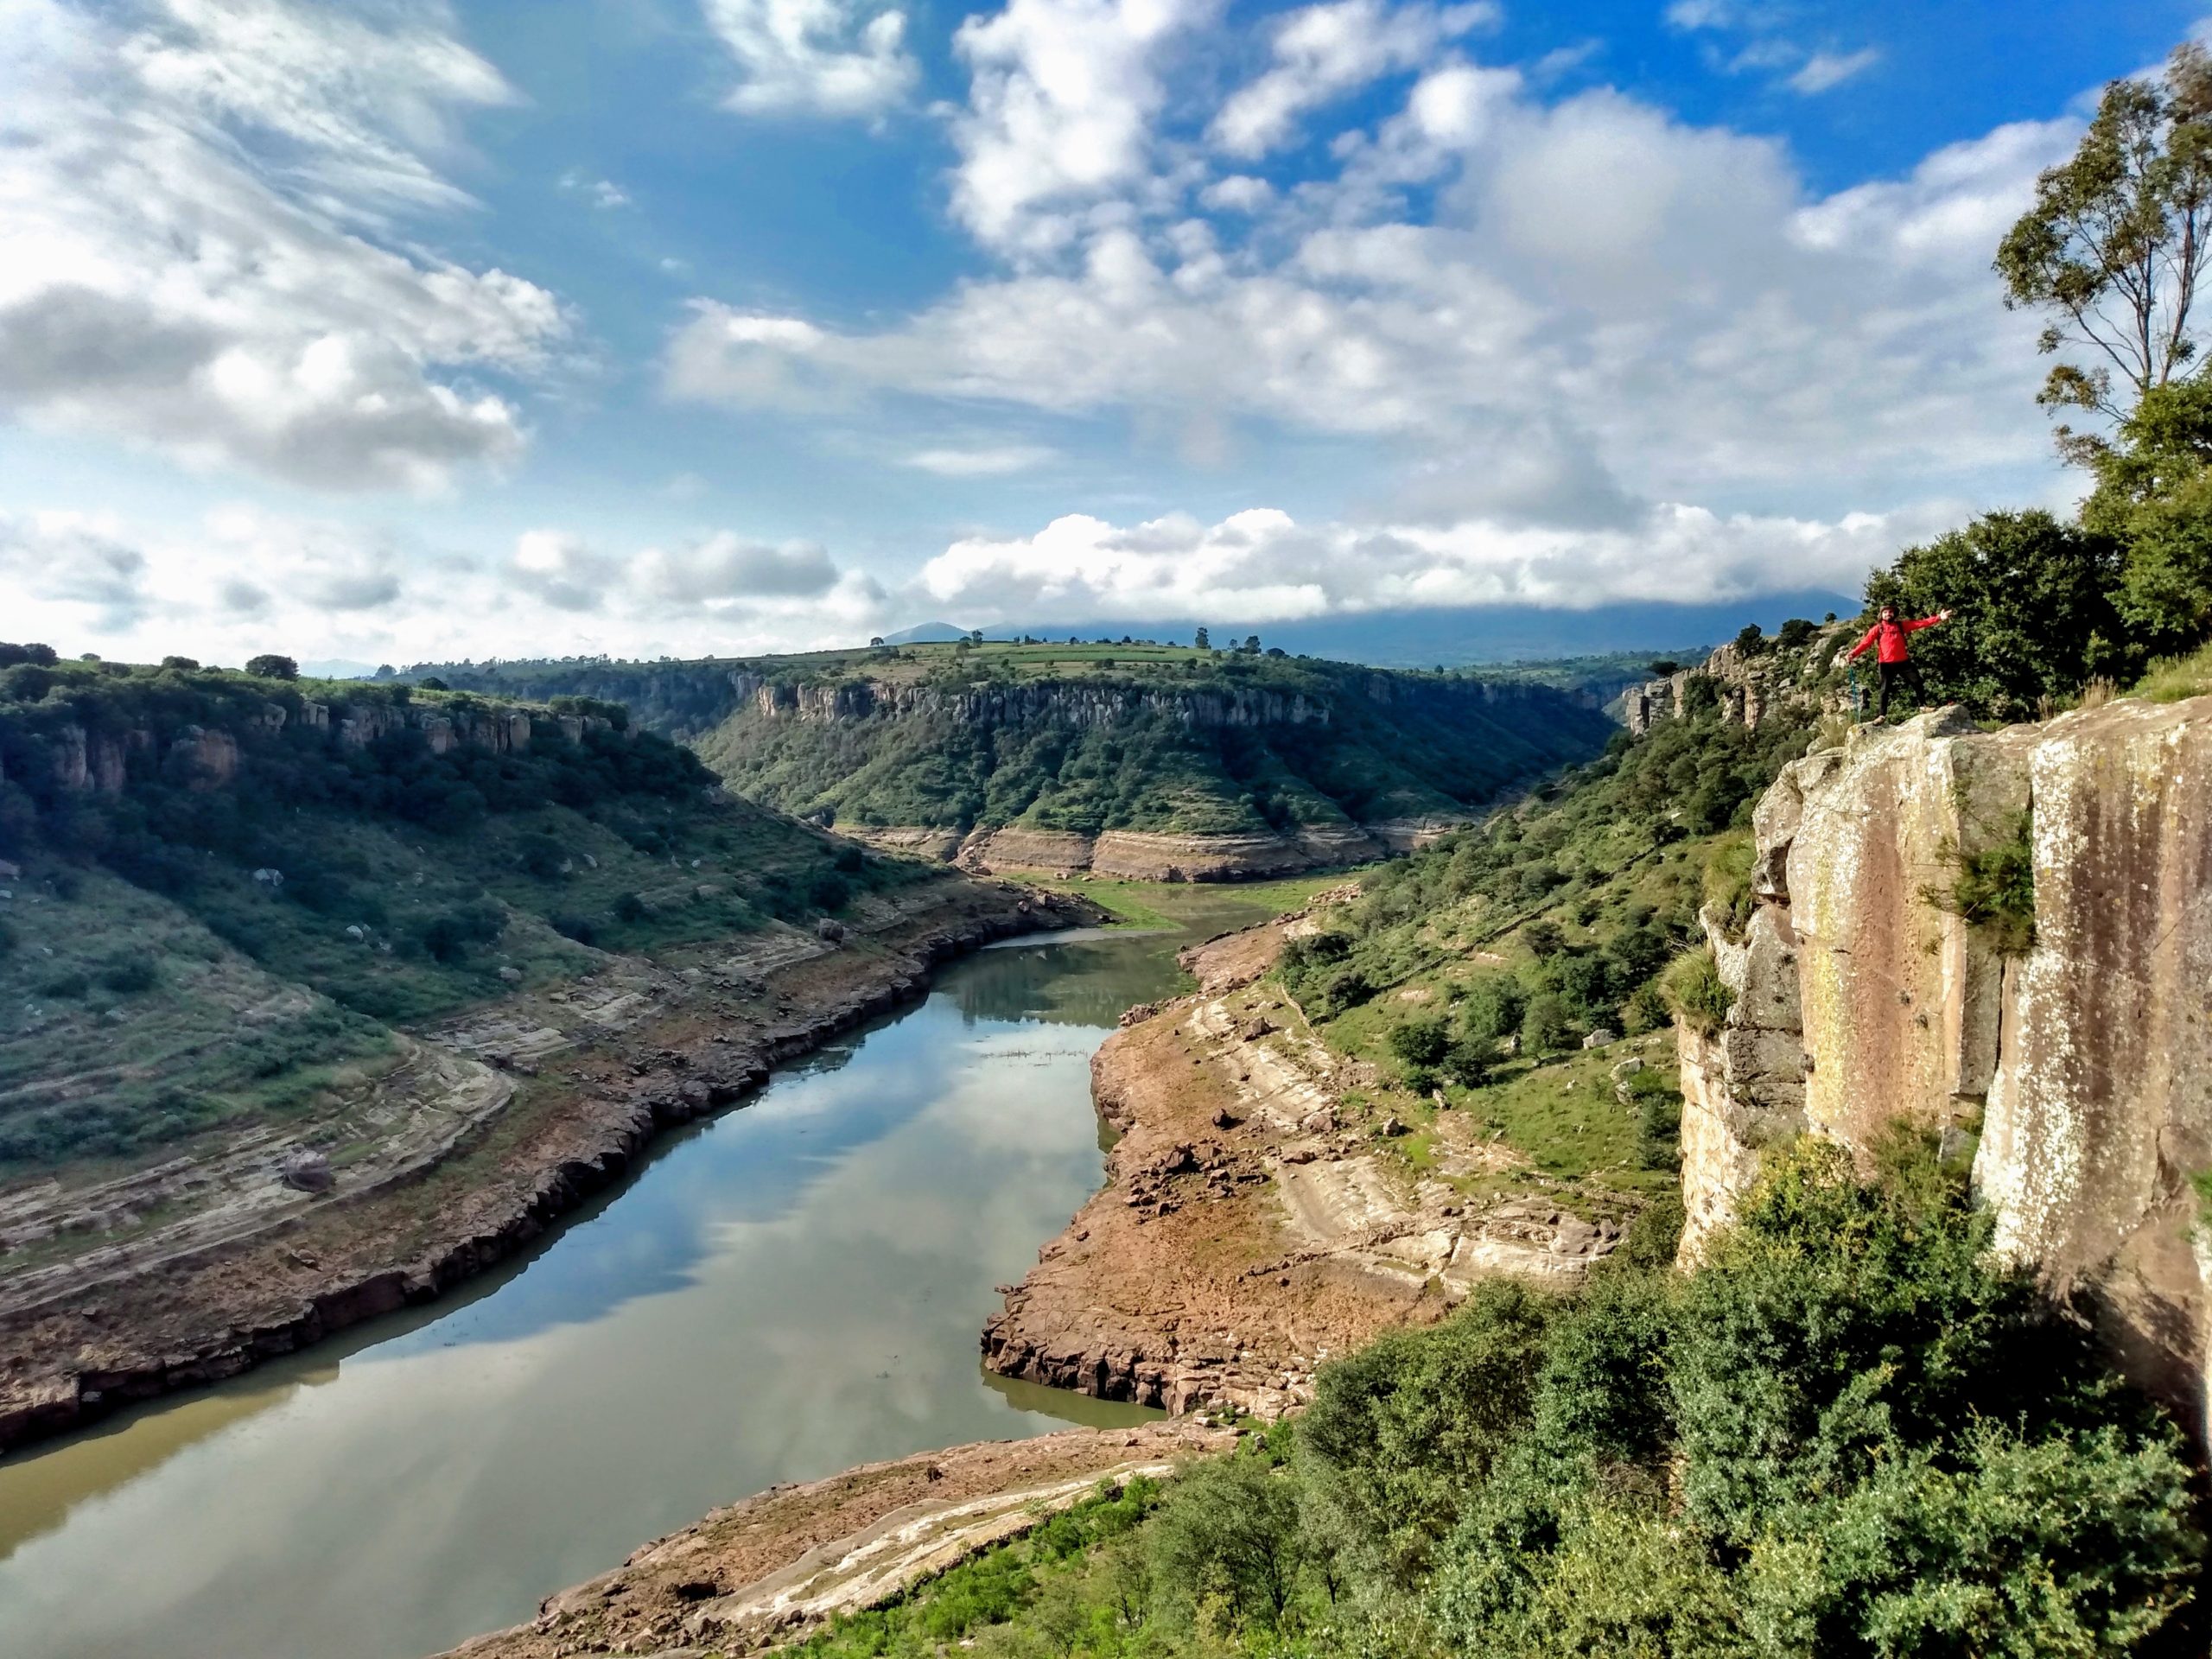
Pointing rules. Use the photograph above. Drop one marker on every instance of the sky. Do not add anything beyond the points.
(395, 330)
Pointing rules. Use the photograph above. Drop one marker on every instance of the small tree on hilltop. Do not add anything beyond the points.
(2115, 242)
(270, 666)
(1201, 641)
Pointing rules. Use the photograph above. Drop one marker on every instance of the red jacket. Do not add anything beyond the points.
(1888, 639)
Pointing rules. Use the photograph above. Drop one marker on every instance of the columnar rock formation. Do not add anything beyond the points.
(80, 761)
(2085, 1065)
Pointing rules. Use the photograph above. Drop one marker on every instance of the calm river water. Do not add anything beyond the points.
(789, 1289)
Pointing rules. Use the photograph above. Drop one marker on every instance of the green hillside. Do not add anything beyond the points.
(224, 892)
(1086, 738)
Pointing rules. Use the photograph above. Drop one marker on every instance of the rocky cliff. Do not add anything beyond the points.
(2079, 1068)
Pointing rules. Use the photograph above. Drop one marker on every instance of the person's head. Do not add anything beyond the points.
(1889, 612)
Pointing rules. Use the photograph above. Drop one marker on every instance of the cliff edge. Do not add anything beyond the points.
(2075, 1060)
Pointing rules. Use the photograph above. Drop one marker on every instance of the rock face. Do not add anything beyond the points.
(1252, 1222)
(2086, 1065)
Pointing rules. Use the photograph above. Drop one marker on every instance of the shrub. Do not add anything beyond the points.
(1420, 1040)
(69, 984)
(1993, 890)
(628, 907)
(1548, 1026)
(1695, 992)
(446, 938)
(1727, 881)
(130, 976)
(1470, 1061)
(581, 929)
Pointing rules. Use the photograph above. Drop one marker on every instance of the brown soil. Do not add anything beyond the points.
(1253, 1222)
(779, 1560)
(584, 1104)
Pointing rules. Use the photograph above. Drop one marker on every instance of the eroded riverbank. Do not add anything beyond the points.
(583, 1091)
(787, 1290)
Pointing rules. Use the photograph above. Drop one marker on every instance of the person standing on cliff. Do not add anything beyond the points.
(1893, 665)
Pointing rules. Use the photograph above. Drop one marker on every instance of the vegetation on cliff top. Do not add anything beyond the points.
(1849, 1435)
(1377, 745)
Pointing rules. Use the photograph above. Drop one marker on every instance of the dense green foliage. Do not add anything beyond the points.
(1598, 883)
(1850, 1433)
(1087, 738)
(1148, 748)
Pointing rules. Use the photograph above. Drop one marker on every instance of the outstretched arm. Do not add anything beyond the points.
(1866, 639)
(1927, 621)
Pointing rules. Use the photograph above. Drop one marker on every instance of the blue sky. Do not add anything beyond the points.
(385, 329)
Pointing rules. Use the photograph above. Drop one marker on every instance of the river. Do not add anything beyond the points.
(789, 1289)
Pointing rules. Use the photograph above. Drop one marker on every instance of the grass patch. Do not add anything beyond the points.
(1694, 991)
(2176, 678)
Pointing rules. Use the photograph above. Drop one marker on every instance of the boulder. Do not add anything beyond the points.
(307, 1171)
(830, 930)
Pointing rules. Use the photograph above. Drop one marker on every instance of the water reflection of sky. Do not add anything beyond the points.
(792, 1288)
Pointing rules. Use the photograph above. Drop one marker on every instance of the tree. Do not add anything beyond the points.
(876, 643)
(1548, 1026)
(182, 664)
(1750, 641)
(270, 666)
(2154, 497)
(2114, 245)
(2032, 610)
(1665, 668)
(1201, 641)
(1251, 646)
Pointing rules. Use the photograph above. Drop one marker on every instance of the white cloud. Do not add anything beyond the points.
(726, 566)
(1262, 565)
(1239, 193)
(1826, 70)
(1326, 51)
(603, 193)
(1636, 309)
(815, 57)
(188, 258)
(1060, 111)
(985, 461)
(242, 578)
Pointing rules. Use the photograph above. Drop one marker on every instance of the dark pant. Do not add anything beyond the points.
(1891, 674)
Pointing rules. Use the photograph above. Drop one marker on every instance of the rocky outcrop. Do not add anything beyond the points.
(1256, 1219)
(1140, 855)
(1747, 689)
(2084, 1065)
(206, 757)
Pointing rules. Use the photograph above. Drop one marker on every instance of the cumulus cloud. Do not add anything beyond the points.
(242, 578)
(1605, 300)
(1326, 51)
(814, 57)
(1263, 565)
(1061, 110)
(726, 566)
(191, 255)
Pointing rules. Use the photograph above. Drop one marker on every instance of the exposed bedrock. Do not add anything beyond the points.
(1144, 855)
(2085, 1063)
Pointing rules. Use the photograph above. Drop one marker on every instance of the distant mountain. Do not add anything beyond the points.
(1455, 638)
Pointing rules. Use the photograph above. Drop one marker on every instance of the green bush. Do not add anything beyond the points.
(1992, 889)
(1422, 1040)
(1695, 992)
(1548, 1026)
(130, 976)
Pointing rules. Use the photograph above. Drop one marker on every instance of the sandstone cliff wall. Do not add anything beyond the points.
(2084, 1067)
